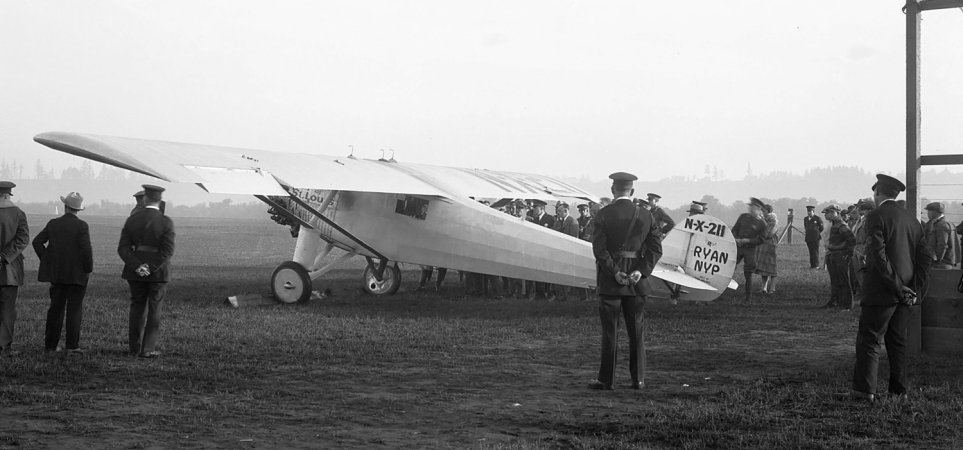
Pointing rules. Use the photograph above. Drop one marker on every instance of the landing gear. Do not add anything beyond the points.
(388, 284)
(291, 283)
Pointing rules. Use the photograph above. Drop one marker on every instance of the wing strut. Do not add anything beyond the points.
(334, 225)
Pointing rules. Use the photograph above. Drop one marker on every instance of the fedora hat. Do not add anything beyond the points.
(73, 200)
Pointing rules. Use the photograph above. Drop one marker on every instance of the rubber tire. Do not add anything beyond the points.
(298, 282)
(390, 284)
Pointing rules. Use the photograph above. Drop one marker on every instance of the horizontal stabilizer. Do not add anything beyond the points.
(678, 277)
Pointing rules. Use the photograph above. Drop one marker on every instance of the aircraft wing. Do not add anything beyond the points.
(227, 170)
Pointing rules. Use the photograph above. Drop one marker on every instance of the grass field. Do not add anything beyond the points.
(438, 370)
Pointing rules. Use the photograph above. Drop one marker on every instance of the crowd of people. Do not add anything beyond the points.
(66, 261)
(877, 255)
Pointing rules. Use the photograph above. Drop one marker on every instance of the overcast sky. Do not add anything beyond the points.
(553, 87)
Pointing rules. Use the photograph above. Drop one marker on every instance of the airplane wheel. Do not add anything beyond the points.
(391, 281)
(291, 283)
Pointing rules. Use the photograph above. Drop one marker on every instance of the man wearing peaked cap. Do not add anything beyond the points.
(749, 231)
(14, 238)
(939, 236)
(839, 251)
(146, 246)
(662, 219)
(66, 261)
(895, 276)
(626, 245)
(889, 185)
(813, 227)
(139, 206)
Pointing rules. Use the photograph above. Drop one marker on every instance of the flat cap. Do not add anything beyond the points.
(655, 196)
(622, 180)
(538, 202)
(696, 208)
(756, 202)
(832, 207)
(810, 207)
(582, 206)
(935, 206)
(865, 204)
(6, 187)
(887, 182)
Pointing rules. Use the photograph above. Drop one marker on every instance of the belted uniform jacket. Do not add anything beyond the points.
(63, 247)
(147, 237)
(612, 241)
(896, 255)
(14, 237)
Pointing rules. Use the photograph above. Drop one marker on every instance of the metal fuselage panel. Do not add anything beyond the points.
(452, 233)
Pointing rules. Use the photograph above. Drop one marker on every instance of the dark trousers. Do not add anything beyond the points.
(145, 315)
(879, 324)
(813, 253)
(840, 285)
(8, 314)
(611, 309)
(69, 298)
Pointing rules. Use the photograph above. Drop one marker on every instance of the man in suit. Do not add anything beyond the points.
(541, 218)
(66, 262)
(565, 224)
(749, 231)
(662, 219)
(895, 274)
(813, 226)
(14, 237)
(146, 246)
(626, 244)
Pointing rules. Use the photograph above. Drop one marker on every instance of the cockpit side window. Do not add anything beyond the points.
(412, 206)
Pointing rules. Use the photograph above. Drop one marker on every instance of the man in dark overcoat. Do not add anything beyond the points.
(662, 218)
(895, 275)
(146, 246)
(749, 231)
(14, 237)
(66, 262)
(627, 244)
(813, 225)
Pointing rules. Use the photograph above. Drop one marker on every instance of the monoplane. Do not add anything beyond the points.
(391, 212)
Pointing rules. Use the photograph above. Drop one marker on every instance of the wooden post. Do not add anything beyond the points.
(912, 11)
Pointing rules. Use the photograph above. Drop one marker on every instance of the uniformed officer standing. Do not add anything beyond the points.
(627, 245)
(146, 246)
(14, 237)
(939, 237)
(839, 252)
(583, 219)
(66, 262)
(813, 226)
(662, 219)
(896, 265)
